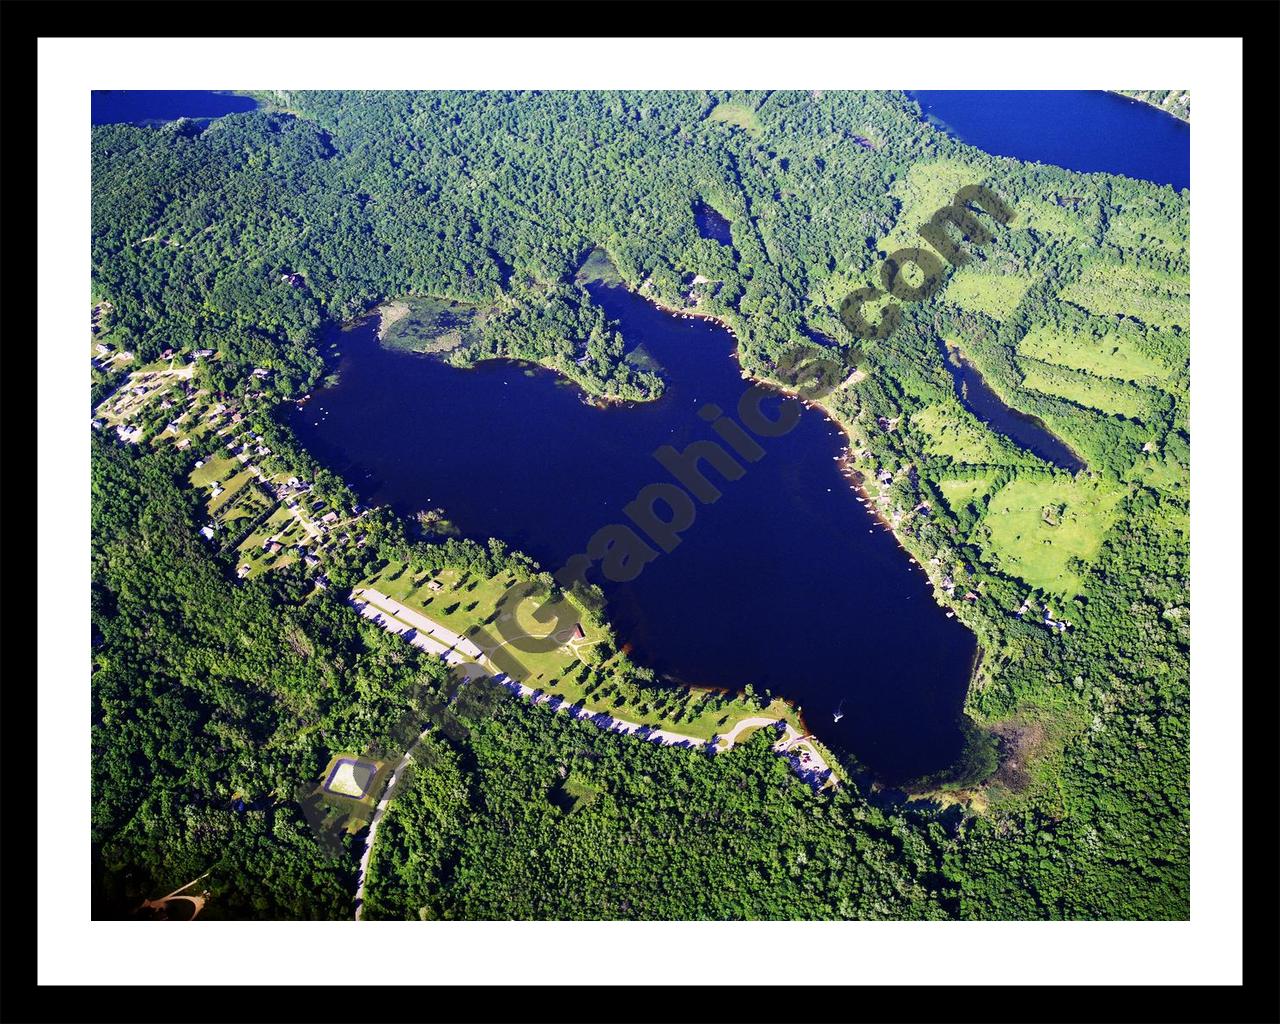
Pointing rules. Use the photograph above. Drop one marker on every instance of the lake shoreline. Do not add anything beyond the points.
(887, 775)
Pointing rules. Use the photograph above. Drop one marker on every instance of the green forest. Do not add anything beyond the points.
(249, 234)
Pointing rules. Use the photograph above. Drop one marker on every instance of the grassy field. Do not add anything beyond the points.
(1035, 529)
(1155, 298)
(1113, 354)
(467, 604)
(1113, 397)
(1160, 470)
(952, 430)
(923, 191)
(214, 470)
(1136, 228)
(959, 493)
(231, 489)
(1048, 217)
(736, 114)
(981, 291)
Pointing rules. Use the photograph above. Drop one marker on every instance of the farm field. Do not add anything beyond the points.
(1113, 354)
(1036, 528)
(1157, 299)
(1108, 396)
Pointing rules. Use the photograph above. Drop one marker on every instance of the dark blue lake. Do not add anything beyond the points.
(712, 224)
(158, 106)
(1028, 432)
(1082, 131)
(786, 581)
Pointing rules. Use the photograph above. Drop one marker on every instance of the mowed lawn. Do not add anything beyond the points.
(469, 605)
(215, 470)
(1035, 528)
(488, 611)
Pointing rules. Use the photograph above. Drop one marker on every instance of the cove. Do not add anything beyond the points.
(785, 582)
(159, 106)
(1078, 130)
(1028, 432)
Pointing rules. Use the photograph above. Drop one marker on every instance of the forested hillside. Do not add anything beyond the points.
(247, 235)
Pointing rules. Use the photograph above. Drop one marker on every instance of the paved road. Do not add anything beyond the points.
(415, 636)
(418, 621)
(378, 812)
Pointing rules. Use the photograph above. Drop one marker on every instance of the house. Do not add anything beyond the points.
(203, 353)
(311, 560)
(243, 571)
(971, 596)
(206, 532)
(578, 633)
(101, 349)
(260, 372)
(184, 443)
(167, 354)
(217, 489)
(322, 583)
(98, 424)
(884, 476)
(274, 547)
(329, 517)
(435, 585)
(293, 280)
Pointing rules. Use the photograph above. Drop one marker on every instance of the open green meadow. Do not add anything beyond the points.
(1156, 298)
(1036, 528)
(736, 114)
(1113, 397)
(981, 291)
(1114, 353)
(955, 432)
(959, 493)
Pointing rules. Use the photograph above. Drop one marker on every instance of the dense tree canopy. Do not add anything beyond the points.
(249, 234)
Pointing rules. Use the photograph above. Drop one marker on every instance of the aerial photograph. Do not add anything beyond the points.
(606, 505)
